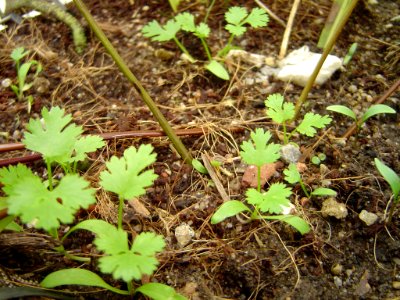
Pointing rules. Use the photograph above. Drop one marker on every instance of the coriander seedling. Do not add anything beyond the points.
(293, 176)
(394, 181)
(59, 141)
(282, 112)
(275, 200)
(120, 259)
(126, 177)
(22, 72)
(371, 111)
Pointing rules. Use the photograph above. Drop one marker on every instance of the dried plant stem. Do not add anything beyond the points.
(288, 30)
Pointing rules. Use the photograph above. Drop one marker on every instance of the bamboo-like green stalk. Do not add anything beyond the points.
(179, 146)
(328, 47)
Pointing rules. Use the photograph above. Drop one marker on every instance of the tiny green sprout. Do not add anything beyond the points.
(350, 54)
(275, 201)
(293, 176)
(126, 177)
(174, 4)
(22, 72)
(373, 110)
(393, 180)
(317, 159)
(282, 112)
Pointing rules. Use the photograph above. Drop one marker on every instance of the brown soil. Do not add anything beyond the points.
(339, 259)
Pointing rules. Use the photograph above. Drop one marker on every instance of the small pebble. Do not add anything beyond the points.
(184, 234)
(332, 208)
(337, 269)
(338, 282)
(396, 285)
(367, 217)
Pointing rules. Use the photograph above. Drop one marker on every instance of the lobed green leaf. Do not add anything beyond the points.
(312, 121)
(160, 33)
(260, 153)
(292, 175)
(125, 176)
(272, 201)
(257, 18)
(277, 110)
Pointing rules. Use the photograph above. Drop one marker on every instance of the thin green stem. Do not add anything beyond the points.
(130, 287)
(183, 49)
(303, 187)
(226, 49)
(179, 146)
(120, 212)
(285, 137)
(203, 42)
(49, 175)
(329, 45)
(392, 210)
(209, 11)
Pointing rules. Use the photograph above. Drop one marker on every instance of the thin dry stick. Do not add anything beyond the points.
(272, 15)
(214, 177)
(288, 30)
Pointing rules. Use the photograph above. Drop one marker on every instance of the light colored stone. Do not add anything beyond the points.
(290, 153)
(298, 66)
(367, 217)
(396, 285)
(184, 234)
(332, 208)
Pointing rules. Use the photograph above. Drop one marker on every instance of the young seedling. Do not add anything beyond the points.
(318, 159)
(126, 177)
(121, 260)
(371, 111)
(293, 176)
(22, 72)
(394, 181)
(282, 112)
(275, 200)
(58, 141)
(236, 17)
(42, 203)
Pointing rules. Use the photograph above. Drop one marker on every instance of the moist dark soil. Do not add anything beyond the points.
(339, 258)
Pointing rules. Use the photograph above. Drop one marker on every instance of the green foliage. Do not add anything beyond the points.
(174, 4)
(293, 176)
(259, 152)
(236, 17)
(274, 201)
(158, 291)
(350, 53)
(29, 198)
(22, 72)
(390, 176)
(57, 140)
(373, 110)
(281, 112)
(394, 181)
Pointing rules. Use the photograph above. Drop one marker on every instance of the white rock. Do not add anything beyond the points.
(184, 234)
(332, 208)
(290, 153)
(367, 217)
(298, 66)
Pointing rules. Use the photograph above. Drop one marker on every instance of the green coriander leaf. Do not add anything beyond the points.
(86, 145)
(292, 175)
(18, 53)
(30, 200)
(228, 209)
(112, 241)
(257, 18)
(158, 33)
(390, 176)
(272, 201)
(295, 221)
(10, 176)
(236, 30)
(125, 175)
(202, 30)
(52, 138)
(260, 153)
(217, 69)
(310, 121)
(235, 15)
(278, 111)
(186, 21)
(129, 264)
